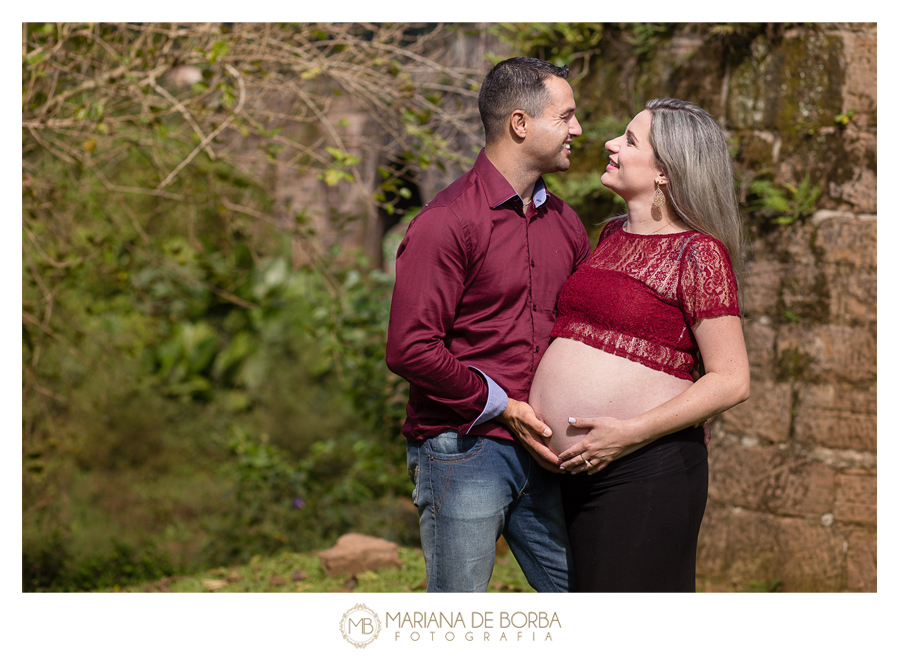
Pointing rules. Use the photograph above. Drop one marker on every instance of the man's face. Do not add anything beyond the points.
(553, 132)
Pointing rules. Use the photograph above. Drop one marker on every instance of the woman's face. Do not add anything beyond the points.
(632, 171)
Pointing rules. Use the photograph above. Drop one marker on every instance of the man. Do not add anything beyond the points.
(478, 275)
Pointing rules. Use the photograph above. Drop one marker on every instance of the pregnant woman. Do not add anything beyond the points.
(657, 299)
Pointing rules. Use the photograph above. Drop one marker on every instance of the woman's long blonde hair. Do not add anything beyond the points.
(691, 148)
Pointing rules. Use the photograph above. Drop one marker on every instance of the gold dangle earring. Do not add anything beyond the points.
(659, 199)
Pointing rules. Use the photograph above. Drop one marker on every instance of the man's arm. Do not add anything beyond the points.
(432, 266)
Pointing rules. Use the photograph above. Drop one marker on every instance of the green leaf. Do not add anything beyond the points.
(334, 176)
(219, 49)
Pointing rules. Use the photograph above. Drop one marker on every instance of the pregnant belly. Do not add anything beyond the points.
(575, 380)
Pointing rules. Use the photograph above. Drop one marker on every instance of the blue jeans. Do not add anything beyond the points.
(471, 489)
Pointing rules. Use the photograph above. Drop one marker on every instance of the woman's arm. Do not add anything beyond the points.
(725, 384)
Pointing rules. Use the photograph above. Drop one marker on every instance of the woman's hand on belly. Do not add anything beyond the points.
(607, 440)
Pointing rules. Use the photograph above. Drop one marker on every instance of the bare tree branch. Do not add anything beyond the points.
(213, 134)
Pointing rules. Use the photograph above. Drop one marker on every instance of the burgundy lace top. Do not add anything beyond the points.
(638, 296)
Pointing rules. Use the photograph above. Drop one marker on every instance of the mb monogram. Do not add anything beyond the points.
(360, 626)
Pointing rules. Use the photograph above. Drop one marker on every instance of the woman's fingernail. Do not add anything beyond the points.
(571, 421)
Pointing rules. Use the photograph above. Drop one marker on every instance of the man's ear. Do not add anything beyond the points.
(518, 123)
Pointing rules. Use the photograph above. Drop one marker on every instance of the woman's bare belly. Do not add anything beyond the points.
(576, 380)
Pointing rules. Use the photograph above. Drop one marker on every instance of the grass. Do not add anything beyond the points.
(302, 572)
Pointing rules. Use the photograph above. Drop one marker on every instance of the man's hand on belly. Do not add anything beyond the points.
(553, 466)
(520, 419)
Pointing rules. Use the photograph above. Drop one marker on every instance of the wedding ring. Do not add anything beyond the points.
(588, 462)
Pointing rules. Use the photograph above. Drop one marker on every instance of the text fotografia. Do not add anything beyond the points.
(479, 626)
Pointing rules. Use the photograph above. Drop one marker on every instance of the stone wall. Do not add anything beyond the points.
(793, 470)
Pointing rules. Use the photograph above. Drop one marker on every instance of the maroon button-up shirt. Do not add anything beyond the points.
(476, 288)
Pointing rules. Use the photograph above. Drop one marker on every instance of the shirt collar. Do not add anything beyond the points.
(540, 194)
(498, 189)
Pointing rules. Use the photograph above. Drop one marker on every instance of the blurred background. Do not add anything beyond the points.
(209, 218)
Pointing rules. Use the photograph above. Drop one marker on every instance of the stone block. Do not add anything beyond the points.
(354, 553)
(838, 416)
(762, 288)
(805, 294)
(759, 337)
(809, 556)
(738, 474)
(796, 240)
(826, 353)
(770, 479)
(765, 416)
(856, 498)
(861, 82)
(862, 562)
(748, 548)
(846, 239)
(856, 182)
(853, 297)
(801, 489)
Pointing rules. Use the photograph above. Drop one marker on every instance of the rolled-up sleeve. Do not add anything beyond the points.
(432, 265)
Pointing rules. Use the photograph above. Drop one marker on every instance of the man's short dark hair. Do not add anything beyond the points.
(515, 84)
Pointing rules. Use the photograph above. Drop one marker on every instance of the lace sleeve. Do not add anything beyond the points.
(708, 287)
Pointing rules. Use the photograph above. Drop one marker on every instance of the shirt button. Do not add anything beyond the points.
(534, 306)
(532, 262)
(537, 349)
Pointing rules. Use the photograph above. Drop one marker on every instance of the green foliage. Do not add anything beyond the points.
(258, 515)
(300, 360)
(844, 118)
(557, 43)
(341, 163)
(52, 567)
(644, 37)
(782, 204)
(302, 572)
(765, 587)
(254, 346)
(183, 376)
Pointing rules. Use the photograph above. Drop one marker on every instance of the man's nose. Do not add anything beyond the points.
(575, 130)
